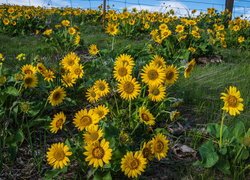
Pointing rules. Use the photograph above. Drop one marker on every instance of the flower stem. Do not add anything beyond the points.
(129, 110)
(113, 42)
(221, 128)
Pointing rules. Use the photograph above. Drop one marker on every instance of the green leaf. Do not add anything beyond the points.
(12, 91)
(244, 154)
(214, 130)
(239, 130)
(19, 136)
(107, 176)
(55, 172)
(224, 166)
(208, 154)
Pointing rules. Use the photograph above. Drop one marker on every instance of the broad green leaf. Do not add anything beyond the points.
(208, 154)
(239, 130)
(12, 91)
(224, 166)
(107, 176)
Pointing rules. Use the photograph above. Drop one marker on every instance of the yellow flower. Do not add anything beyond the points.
(189, 68)
(57, 96)
(71, 31)
(122, 71)
(70, 60)
(158, 61)
(57, 122)
(91, 95)
(48, 32)
(160, 146)
(192, 49)
(241, 39)
(129, 88)
(93, 50)
(101, 111)
(77, 71)
(112, 29)
(163, 27)
(6, 21)
(77, 39)
(98, 153)
(49, 75)
(133, 164)
(196, 34)
(41, 68)
(179, 28)
(28, 69)
(57, 155)
(85, 118)
(101, 87)
(152, 75)
(68, 80)
(30, 81)
(171, 74)
(65, 23)
(232, 101)
(125, 59)
(156, 93)
(174, 115)
(165, 34)
(145, 116)
(93, 134)
(146, 151)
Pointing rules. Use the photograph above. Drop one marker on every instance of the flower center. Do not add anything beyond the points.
(71, 62)
(159, 146)
(28, 80)
(155, 92)
(94, 136)
(146, 152)
(145, 117)
(100, 113)
(85, 121)
(98, 152)
(27, 71)
(56, 96)
(77, 71)
(170, 75)
(59, 122)
(232, 101)
(134, 163)
(59, 155)
(93, 94)
(101, 87)
(122, 71)
(153, 74)
(128, 87)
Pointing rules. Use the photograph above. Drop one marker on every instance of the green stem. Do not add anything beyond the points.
(221, 128)
(136, 127)
(113, 42)
(129, 113)
(116, 104)
(238, 153)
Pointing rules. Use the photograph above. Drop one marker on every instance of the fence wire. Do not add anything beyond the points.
(181, 7)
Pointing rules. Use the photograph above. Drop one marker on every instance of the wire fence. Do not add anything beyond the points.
(181, 7)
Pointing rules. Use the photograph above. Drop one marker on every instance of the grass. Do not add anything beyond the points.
(202, 90)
